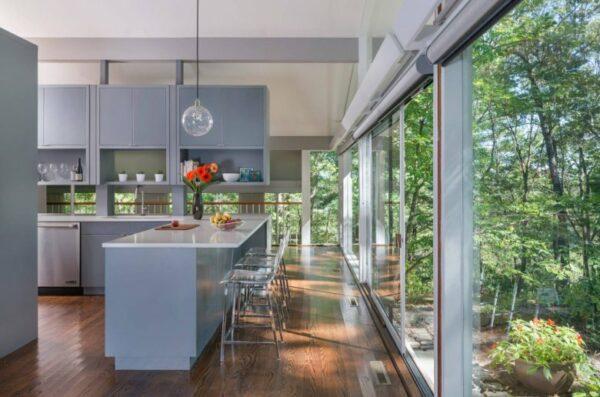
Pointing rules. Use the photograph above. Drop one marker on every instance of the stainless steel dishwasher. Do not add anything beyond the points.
(58, 254)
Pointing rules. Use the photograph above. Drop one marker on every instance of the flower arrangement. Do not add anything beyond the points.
(197, 180)
(542, 346)
(201, 177)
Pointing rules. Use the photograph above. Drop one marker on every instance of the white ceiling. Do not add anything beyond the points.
(176, 18)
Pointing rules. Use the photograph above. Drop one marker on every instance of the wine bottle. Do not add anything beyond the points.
(79, 171)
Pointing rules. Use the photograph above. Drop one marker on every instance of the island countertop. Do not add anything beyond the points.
(203, 236)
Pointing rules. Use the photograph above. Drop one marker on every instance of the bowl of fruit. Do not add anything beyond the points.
(225, 221)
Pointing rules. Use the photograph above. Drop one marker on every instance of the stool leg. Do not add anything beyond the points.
(224, 326)
(280, 316)
(270, 303)
(287, 284)
(283, 297)
(233, 311)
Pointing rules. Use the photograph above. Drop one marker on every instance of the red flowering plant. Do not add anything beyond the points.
(545, 346)
(201, 177)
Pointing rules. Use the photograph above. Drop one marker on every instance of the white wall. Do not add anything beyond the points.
(306, 99)
(18, 141)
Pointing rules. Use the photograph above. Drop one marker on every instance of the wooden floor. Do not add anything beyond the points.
(327, 351)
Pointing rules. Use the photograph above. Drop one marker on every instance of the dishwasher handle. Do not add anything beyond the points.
(57, 225)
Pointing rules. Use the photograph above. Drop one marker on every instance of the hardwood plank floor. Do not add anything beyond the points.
(327, 351)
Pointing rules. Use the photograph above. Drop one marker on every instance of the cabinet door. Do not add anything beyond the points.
(150, 116)
(92, 259)
(64, 116)
(243, 116)
(115, 116)
(211, 99)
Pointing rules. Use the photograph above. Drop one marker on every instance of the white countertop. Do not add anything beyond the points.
(203, 236)
(114, 218)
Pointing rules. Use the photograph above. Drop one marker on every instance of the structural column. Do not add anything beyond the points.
(453, 227)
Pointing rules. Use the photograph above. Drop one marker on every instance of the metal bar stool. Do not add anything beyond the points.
(273, 264)
(261, 252)
(243, 285)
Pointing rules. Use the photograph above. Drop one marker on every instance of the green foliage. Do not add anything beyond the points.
(418, 160)
(536, 101)
(324, 197)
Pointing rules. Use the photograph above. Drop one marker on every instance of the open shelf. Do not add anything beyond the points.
(132, 161)
(136, 183)
(61, 183)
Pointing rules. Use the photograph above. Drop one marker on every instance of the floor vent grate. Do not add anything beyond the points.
(380, 374)
(353, 302)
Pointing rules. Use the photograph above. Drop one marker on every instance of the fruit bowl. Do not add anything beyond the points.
(229, 225)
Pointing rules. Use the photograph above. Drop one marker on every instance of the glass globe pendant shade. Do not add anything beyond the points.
(197, 120)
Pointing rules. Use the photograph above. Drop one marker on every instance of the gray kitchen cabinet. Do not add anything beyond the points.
(211, 99)
(63, 116)
(115, 116)
(93, 235)
(244, 120)
(150, 116)
(133, 116)
(92, 259)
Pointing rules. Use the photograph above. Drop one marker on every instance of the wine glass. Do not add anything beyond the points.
(63, 171)
(42, 169)
(52, 170)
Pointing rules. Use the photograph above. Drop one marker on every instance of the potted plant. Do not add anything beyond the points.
(159, 176)
(544, 357)
(197, 180)
(122, 176)
(140, 176)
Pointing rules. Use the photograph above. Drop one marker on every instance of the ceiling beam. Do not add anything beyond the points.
(212, 49)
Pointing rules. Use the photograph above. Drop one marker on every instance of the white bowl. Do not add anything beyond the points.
(231, 177)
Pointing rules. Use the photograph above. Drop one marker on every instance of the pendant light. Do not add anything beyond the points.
(197, 120)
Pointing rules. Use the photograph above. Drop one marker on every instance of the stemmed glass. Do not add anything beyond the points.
(42, 169)
(63, 171)
(52, 171)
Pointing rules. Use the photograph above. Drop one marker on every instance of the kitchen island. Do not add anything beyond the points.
(163, 297)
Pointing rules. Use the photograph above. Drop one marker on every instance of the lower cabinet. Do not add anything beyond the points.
(92, 260)
(93, 235)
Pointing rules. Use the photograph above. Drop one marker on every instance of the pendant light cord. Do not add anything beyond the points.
(197, 56)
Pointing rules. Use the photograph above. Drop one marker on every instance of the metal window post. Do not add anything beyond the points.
(453, 227)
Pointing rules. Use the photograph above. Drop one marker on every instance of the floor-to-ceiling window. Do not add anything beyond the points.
(324, 197)
(401, 224)
(418, 219)
(536, 152)
(385, 223)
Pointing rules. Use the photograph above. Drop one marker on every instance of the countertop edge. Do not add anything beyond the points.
(110, 244)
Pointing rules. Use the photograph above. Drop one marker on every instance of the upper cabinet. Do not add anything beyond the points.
(244, 116)
(212, 99)
(133, 116)
(239, 116)
(63, 116)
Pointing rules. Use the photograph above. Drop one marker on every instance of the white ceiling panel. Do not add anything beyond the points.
(176, 18)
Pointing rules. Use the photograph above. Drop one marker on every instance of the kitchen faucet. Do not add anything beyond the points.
(139, 190)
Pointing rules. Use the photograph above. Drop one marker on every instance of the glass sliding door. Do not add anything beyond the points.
(385, 221)
(418, 223)
(401, 208)
(351, 204)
